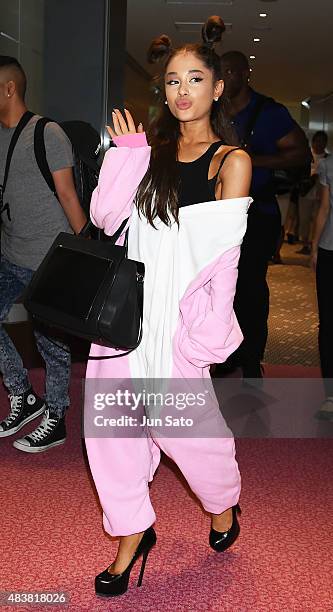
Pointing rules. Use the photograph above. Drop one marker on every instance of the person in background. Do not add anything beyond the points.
(31, 218)
(322, 262)
(275, 142)
(309, 195)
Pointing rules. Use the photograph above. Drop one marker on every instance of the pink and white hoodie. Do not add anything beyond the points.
(191, 272)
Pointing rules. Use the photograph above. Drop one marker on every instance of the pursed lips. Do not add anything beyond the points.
(183, 104)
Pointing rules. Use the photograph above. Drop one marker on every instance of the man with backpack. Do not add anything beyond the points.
(275, 142)
(31, 217)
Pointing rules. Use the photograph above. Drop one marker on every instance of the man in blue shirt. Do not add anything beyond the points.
(275, 142)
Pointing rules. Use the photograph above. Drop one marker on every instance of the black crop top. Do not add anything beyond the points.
(195, 187)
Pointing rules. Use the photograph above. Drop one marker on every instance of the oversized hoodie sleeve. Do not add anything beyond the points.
(121, 173)
(214, 335)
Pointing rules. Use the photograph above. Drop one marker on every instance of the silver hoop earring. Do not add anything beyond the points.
(216, 99)
(166, 102)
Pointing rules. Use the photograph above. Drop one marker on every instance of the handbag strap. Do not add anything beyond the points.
(101, 236)
(117, 234)
(18, 130)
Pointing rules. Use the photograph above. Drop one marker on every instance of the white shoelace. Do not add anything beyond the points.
(15, 408)
(44, 428)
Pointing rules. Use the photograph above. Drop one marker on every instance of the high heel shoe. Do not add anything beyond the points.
(221, 540)
(110, 585)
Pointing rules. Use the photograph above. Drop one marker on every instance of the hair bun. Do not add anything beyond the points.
(212, 30)
(160, 48)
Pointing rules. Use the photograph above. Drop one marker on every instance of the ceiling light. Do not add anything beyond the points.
(9, 37)
(263, 15)
(256, 40)
(305, 103)
(252, 57)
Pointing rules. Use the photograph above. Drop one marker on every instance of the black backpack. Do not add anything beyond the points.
(283, 181)
(86, 145)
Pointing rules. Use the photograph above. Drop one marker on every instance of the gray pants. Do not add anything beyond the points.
(13, 280)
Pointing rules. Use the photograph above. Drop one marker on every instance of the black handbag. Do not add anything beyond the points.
(90, 289)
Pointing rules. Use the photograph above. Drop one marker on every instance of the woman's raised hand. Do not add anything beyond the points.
(123, 126)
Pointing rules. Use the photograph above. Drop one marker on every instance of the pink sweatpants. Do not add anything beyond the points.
(122, 468)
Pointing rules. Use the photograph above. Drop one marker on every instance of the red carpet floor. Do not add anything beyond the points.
(52, 539)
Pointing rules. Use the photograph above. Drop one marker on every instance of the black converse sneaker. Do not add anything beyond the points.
(23, 409)
(51, 432)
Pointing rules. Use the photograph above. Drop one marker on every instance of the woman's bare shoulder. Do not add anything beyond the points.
(235, 159)
(231, 151)
(235, 174)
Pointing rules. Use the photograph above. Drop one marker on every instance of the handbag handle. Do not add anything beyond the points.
(112, 239)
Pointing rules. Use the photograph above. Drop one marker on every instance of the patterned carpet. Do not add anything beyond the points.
(293, 317)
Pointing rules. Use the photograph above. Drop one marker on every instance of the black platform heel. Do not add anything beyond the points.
(221, 540)
(111, 585)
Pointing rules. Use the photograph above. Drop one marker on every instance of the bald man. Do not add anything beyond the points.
(274, 141)
(31, 218)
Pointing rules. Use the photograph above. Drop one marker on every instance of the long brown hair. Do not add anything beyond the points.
(157, 195)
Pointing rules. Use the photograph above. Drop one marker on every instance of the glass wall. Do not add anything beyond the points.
(321, 116)
(22, 36)
(73, 52)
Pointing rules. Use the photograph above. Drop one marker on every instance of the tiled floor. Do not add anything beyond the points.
(293, 317)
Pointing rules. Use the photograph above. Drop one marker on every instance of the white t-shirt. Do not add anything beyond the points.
(314, 193)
